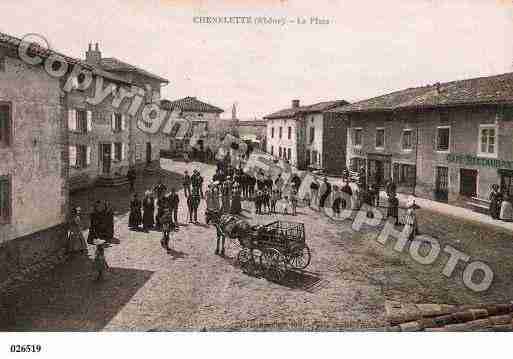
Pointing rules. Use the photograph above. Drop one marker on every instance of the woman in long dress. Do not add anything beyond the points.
(236, 207)
(135, 218)
(77, 242)
(506, 209)
(148, 211)
(495, 202)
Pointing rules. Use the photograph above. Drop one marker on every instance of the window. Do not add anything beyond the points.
(312, 134)
(488, 140)
(5, 125)
(356, 163)
(280, 152)
(404, 174)
(357, 137)
(117, 124)
(289, 135)
(442, 138)
(380, 137)
(272, 132)
(79, 156)
(79, 121)
(289, 153)
(314, 157)
(118, 151)
(280, 132)
(272, 150)
(5, 199)
(407, 140)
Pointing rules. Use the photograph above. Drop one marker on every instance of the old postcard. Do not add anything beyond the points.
(270, 166)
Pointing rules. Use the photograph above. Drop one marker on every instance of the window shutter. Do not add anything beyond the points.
(123, 122)
(123, 156)
(89, 121)
(113, 121)
(72, 156)
(72, 120)
(88, 155)
(112, 151)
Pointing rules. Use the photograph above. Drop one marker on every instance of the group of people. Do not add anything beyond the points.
(500, 204)
(101, 233)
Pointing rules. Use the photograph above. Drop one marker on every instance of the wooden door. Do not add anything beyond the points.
(468, 182)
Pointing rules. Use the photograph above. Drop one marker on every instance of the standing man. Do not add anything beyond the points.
(173, 201)
(314, 192)
(193, 202)
(326, 191)
(186, 184)
(197, 181)
(131, 175)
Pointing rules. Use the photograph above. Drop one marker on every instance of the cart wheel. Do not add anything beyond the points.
(246, 261)
(300, 257)
(274, 264)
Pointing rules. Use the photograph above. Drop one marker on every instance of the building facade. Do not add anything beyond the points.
(143, 148)
(308, 136)
(204, 117)
(34, 200)
(449, 142)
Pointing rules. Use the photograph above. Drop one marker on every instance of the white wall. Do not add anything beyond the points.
(315, 121)
(284, 142)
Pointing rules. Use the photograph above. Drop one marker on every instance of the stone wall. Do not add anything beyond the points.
(464, 139)
(35, 159)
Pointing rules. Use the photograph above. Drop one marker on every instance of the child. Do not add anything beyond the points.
(166, 220)
(266, 200)
(285, 205)
(307, 199)
(100, 262)
(258, 202)
(274, 199)
(293, 201)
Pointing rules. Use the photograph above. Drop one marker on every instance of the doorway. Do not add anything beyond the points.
(468, 182)
(442, 184)
(148, 152)
(376, 172)
(106, 157)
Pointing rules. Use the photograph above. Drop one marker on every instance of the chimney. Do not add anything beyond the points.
(295, 103)
(93, 57)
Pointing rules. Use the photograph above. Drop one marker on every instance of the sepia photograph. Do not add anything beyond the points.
(172, 168)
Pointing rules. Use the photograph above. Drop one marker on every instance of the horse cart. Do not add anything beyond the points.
(274, 248)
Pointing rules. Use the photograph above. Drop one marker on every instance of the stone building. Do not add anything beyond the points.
(448, 141)
(204, 117)
(308, 136)
(143, 149)
(34, 153)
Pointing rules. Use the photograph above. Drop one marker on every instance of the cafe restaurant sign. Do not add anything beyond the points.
(471, 160)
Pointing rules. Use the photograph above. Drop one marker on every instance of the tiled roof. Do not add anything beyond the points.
(318, 107)
(483, 90)
(190, 104)
(252, 123)
(113, 64)
(35, 49)
(449, 318)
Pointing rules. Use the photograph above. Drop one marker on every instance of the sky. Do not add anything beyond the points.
(369, 48)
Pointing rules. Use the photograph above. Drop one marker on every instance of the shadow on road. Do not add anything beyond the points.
(69, 298)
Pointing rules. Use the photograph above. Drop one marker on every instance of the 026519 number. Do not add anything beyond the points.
(25, 348)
